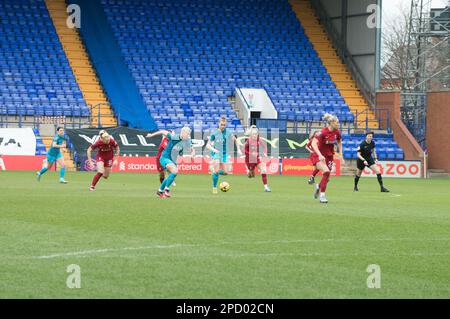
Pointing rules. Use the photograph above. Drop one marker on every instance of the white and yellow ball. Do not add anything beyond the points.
(224, 186)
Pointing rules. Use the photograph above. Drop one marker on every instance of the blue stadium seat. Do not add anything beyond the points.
(177, 60)
(33, 70)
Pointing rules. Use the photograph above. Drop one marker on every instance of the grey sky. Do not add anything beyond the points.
(392, 10)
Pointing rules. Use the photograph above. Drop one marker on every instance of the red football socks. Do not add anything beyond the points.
(324, 182)
(264, 178)
(96, 179)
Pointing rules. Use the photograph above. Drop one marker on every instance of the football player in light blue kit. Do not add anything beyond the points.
(177, 143)
(54, 155)
(218, 145)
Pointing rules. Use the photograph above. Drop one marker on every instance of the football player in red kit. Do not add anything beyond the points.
(252, 149)
(323, 159)
(311, 157)
(107, 149)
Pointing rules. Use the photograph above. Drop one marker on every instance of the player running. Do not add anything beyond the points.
(308, 147)
(218, 145)
(54, 155)
(367, 157)
(323, 159)
(107, 151)
(162, 146)
(175, 146)
(252, 149)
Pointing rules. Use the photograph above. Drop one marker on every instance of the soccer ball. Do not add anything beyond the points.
(224, 187)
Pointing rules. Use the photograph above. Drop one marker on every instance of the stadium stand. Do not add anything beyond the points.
(84, 72)
(40, 146)
(187, 57)
(35, 76)
(386, 147)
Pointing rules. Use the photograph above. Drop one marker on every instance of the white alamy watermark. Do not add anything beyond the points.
(74, 18)
(374, 19)
(74, 279)
(374, 279)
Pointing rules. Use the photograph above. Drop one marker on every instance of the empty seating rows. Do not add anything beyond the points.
(386, 147)
(35, 76)
(177, 50)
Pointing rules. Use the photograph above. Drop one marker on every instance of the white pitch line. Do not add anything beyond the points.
(108, 250)
(171, 246)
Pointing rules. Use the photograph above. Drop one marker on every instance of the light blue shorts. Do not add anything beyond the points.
(52, 159)
(223, 158)
(166, 161)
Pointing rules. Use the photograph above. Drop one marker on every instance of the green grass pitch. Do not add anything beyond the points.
(240, 244)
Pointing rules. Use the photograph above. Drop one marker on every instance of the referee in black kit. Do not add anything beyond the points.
(365, 158)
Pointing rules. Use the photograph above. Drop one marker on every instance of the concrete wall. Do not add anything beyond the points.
(438, 124)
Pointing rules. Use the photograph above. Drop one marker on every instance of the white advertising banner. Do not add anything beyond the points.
(17, 141)
(405, 169)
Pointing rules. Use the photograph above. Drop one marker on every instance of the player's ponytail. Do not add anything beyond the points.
(312, 134)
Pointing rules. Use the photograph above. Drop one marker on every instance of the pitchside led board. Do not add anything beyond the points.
(139, 152)
(287, 152)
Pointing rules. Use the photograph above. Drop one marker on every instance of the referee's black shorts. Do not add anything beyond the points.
(360, 164)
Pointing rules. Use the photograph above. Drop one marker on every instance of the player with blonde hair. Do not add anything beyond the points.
(107, 151)
(176, 146)
(323, 147)
(253, 148)
(218, 144)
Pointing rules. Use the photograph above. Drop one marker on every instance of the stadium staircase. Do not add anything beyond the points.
(81, 66)
(334, 65)
(70, 164)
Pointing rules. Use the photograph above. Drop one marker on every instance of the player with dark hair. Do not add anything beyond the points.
(323, 157)
(308, 147)
(162, 146)
(367, 157)
(54, 155)
(107, 149)
(252, 150)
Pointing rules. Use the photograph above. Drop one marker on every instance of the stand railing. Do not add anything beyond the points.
(382, 119)
(36, 121)
(96, 113)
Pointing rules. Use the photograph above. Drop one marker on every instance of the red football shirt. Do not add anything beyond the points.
(309, 144)
(162, 146)
(252, 149)
(327, 139)
(105, 150)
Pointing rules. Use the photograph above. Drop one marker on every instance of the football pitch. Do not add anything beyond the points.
(242, 244)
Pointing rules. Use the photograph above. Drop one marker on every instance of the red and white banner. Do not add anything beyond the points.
(303, 166)
(21, 163)
(148, 165)
(17, 141)
(406, 169)
(186, 165)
